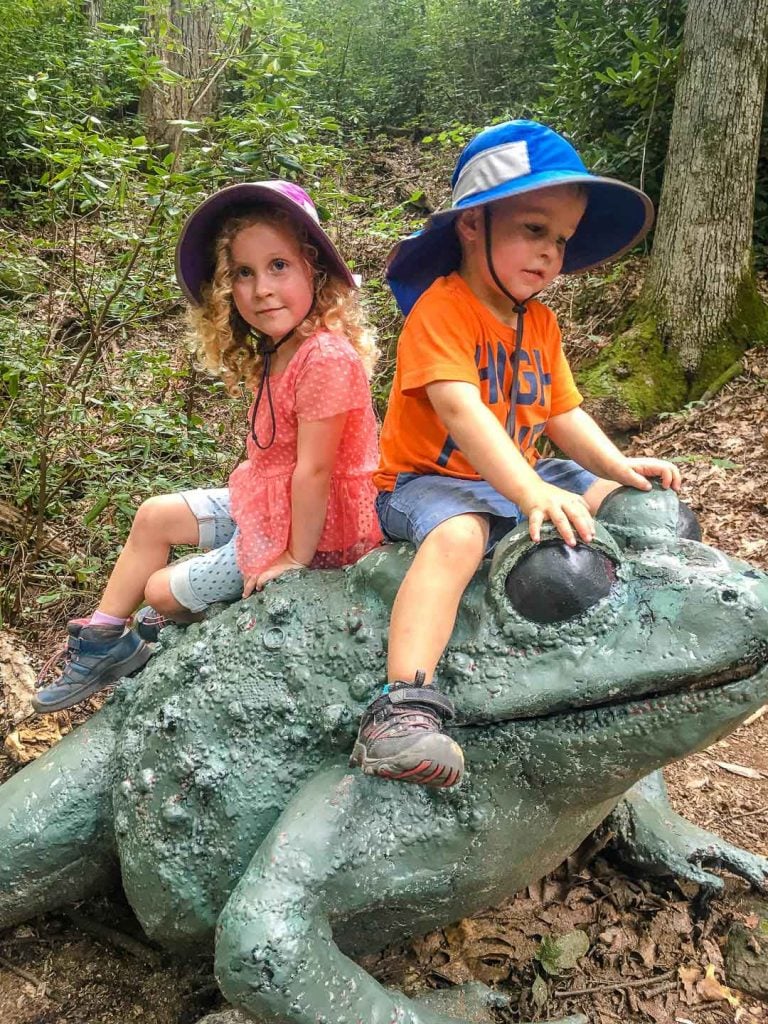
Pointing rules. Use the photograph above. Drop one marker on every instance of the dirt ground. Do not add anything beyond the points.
(650, 947)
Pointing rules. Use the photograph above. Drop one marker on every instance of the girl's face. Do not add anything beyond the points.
(272, 283)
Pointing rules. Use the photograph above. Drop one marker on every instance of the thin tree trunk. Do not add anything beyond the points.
(92, 10)
(702, 252)
(189, 52)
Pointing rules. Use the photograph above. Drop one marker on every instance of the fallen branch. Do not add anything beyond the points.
(39, 984)
(749, 814)
(13, 523)
(116, 938)
(616, 986)
(725, 377)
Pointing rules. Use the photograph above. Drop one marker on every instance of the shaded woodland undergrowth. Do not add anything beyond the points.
(179, 430)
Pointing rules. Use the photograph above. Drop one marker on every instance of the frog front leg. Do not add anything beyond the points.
(56, 831)
(276, 957)
(653, 838)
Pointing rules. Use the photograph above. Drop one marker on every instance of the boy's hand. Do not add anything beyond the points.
(633, 473)
(562, 508)
(283, 563)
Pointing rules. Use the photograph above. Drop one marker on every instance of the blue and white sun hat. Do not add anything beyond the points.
(506, 160)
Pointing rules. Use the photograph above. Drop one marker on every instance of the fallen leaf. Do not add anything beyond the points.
(709, 988)
(26, 744)
(697, 783)
(563, 953)
(689, 976)
(539, 992)
(740, 769)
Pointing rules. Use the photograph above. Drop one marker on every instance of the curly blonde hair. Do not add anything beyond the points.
(228, 347)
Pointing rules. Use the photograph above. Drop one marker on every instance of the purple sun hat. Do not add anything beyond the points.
(194, 251)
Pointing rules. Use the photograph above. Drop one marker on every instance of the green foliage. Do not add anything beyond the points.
(79, 451)
(390, 64)
(95, 417)
(612, 84)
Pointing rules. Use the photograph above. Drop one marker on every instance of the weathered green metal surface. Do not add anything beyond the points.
(233, 807)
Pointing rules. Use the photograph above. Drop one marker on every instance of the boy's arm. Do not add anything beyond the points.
(577, 434)
(493, 454)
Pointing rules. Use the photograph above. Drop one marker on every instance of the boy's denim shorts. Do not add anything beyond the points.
(213, 576)
(419, 502)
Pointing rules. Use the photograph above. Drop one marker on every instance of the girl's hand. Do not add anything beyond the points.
(283, 563)
(633, 473)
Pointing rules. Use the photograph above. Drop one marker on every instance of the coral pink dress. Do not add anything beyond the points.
(324, 378)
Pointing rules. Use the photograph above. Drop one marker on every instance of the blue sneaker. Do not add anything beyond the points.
(94, 657)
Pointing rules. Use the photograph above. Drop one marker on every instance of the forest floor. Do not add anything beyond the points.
(650, 945)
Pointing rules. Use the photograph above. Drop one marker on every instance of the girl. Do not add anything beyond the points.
(273, 306)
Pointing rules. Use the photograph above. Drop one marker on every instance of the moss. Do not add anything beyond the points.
(747, 327)
(637, 377)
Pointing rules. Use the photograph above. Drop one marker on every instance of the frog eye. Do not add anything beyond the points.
(554, 582)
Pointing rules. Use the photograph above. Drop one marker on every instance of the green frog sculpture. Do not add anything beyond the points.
(218, 781)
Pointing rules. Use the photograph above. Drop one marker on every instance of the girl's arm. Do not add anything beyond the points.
(317, 444)
(577, 434)
(488, 447)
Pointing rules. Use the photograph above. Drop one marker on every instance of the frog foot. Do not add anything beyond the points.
(653, 838)
(474, 1003)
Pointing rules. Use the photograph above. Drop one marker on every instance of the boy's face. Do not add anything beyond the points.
(529, 234)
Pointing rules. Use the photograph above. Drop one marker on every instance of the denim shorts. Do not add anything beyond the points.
(202, 580)
(419, 502)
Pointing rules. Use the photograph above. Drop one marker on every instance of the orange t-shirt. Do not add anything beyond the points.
(451, 335)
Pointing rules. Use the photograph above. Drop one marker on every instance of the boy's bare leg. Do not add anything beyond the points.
(160, 523)
(599, 490)
(425, 608)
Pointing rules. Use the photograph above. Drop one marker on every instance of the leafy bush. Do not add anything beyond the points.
(612, 85)
(97, 413)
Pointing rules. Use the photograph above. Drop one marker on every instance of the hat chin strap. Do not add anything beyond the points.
(519, 308)
(266, 350)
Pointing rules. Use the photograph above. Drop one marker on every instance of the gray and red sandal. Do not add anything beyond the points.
(401, 737)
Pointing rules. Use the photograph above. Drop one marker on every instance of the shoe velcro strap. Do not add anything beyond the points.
(73, 644)
(423, 695)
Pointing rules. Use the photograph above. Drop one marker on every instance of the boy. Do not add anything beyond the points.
(480, 375)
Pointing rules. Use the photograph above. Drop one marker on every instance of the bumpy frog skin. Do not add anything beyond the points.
(218, 780)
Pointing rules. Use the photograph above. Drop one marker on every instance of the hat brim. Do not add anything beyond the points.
(194, 250)
(617, 217)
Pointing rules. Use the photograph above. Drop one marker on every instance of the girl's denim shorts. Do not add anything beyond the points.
(419, 503)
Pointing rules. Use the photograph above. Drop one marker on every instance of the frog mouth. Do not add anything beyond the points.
(749, 671)
(697, 691)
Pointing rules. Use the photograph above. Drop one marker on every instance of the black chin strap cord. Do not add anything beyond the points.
(266, 349)
(519, 308)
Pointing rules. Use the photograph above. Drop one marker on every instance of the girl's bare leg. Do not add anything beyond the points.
(158, 593)
(160, 523)
(424, 611)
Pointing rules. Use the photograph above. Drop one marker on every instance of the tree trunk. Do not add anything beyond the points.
(184, 37)
(699, 309)
(92, 9)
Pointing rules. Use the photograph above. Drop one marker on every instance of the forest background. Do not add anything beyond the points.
(116, 119)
